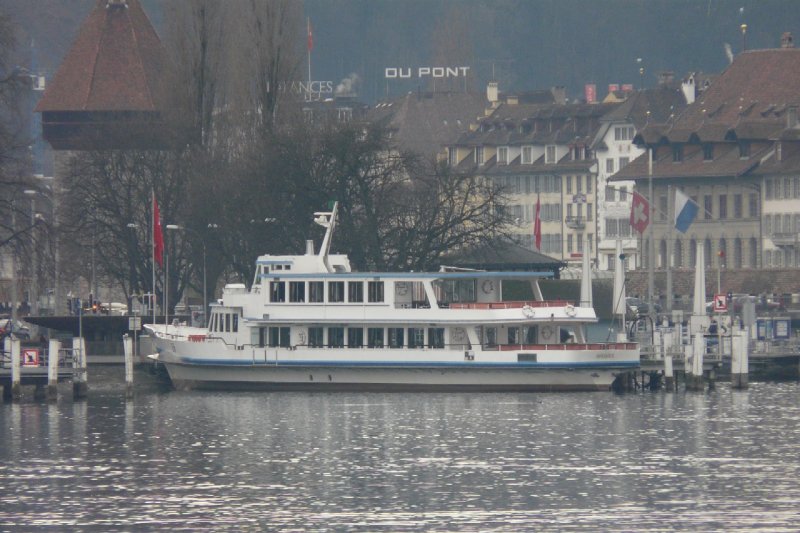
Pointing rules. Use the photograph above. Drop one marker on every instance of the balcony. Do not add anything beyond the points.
(785, 239)
(575, 222)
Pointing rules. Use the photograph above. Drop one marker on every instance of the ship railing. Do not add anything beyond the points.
(564, 346)
(508, 305)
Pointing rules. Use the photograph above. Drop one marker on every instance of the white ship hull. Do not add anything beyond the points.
(194, 365)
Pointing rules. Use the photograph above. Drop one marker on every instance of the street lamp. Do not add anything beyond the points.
(33, 311)
(203, 241)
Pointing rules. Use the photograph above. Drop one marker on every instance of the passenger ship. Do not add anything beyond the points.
(310, 322)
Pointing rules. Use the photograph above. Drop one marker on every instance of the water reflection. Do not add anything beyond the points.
(403, 462)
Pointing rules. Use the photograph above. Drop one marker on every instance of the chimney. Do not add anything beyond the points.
(116, 3)
(689, 89)
(491, 92)
(786, 40)
(512, 99)
(309, 247)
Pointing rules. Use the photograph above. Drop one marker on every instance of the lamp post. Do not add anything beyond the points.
(33, 311)
(203, 241)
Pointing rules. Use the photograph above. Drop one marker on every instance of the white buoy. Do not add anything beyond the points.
(127, 342)
(586, 279)
(740, 355)
(53, 350)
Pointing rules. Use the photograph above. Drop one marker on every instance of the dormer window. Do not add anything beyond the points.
(452, 156)
(527, 155)
(550, 154)
(479, 157)
(502, 155)
(744, 149)
(677, 153)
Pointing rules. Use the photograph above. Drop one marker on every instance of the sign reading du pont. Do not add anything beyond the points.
(425, 72)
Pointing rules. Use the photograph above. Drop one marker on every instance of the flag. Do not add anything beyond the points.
(310, 37)
(158, 237)
(685, 211)
(537, 227)
(640, 212)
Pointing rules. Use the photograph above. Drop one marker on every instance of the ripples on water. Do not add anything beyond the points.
(401, 462)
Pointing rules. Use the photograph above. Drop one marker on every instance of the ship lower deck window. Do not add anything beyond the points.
(235, 325)
(277, 291)
(279, 336)
(375, 337)
(335, 337)
(355, 337)
(416, 337)
(375, 291)
(227, 322)
(315, 337)
(396, 337)
(435, 337)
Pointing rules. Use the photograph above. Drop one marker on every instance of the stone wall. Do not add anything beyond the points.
(778, 281)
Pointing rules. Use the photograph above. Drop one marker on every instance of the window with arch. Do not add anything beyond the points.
(662, 253)
(678, 253)
(722, 256)
(737, 252)
(692, 253)
(753, 252)
(707, 252)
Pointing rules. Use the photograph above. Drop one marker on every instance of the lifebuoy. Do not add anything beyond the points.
(487, 286)
(402, 288)
(547, 332)
(528, 311)
(570, 310)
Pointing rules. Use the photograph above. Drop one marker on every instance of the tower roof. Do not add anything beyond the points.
(116, 63)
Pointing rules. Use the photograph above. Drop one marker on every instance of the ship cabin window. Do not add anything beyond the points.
(315, 337)
(416, 337)
(491, 337)
(297, 291)
(355, 337)
(455, 290)
(435, 337)
(316, 291)
(396, 337)
(375, 337)
(375, 291)
(279, 336)
(235, 324)
(355, 291)
(335, 291)
(277, 291)
(227, 323)
(336, 337)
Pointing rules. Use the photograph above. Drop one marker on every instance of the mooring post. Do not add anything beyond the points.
(669, 374)
(16, 370)
(79, 378)
(740, 355)
(127, 342)
(694, 376)
(53, 350)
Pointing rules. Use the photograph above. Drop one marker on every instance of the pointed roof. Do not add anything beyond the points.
(116, 63)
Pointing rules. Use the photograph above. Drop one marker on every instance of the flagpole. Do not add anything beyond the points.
(153, 248)
(670, 250)
(309, 37)
(651, 245)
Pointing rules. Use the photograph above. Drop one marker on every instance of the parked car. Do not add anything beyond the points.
(638, 307)
(20, 330)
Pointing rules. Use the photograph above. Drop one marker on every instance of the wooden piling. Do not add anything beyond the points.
(16, 370)
(669, 374)
(80, 385)
(694, 363)
(740, 355)
(54, 348)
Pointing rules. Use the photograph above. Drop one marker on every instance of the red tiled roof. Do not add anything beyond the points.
(117, 63)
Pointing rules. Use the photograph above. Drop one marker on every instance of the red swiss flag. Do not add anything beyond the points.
(640, 212)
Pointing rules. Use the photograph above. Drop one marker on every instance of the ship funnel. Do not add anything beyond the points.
(309, 247)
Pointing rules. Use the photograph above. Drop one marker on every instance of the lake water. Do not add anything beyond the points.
(202, 461)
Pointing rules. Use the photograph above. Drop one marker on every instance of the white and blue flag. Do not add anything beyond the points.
(685, 211)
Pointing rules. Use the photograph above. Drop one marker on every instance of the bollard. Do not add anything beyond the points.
(127, 342)
(80, 385)
(6, 354)
(16, 370)
(54, 348)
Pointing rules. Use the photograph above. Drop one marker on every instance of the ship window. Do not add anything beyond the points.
(335, 291)
(277, 290)
(227, 322)
(491, 337)
(416, 337)
(235, 325)
(513, 335)
(375, 337)
(278, 267)
(355, 291)
(297, 291)
(355, 337)
(396, 337)
(375, 290)
(436, 337)
(335, 337)
(316, 291)
(279, 336)
(529, 334)
(262, 337)
(315, 339)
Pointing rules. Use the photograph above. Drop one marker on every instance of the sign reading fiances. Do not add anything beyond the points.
(720, 303)
(424, 72)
